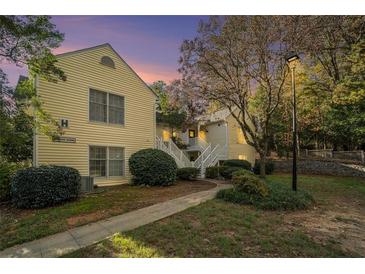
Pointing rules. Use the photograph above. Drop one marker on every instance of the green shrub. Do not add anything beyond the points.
(243, 172)
(38, 187)
(233, 196)
(238, 163)
(7, 171)
(269, 167)
(187, 173)
(152, 167)
(280, 197)
(212, 172)
(227, 171)
(250, 184)
(283, 197)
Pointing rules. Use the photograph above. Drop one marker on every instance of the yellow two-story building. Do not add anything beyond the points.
(106, 111)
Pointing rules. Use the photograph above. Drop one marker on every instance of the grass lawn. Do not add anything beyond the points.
(334, 227)
(18, 226)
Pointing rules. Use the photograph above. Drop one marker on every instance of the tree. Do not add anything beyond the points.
(184, 96)
(239, 62)
(159, 87)
(26, 40)
(346, 118)
(329, 43)
(166, 112)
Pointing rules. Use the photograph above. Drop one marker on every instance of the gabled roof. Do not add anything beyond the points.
(103, 46)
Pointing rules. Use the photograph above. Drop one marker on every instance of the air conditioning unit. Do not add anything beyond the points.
(87, 184)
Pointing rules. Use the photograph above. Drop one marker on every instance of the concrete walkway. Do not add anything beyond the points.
(73, 239)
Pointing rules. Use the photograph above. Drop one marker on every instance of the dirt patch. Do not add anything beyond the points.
(91, 217)
(340, 225)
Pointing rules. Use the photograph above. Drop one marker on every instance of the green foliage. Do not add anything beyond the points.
(187, 173)
(280, 197)
(238, 163)
(44, 186)
(16, 144)
(159, 87)
(269, 167)
(27, 40)
(152, 167)
(250, 184)
(227, 171)
(7, 171)
(242, 172)
(173, 118)
(212, 172)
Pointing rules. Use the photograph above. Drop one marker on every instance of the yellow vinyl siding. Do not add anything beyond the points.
(237, 145)
(70, 100)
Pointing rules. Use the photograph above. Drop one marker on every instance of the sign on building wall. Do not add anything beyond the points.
(64, 139)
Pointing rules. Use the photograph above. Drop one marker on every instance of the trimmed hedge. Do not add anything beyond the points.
(152, 167)
(238, 163)
(225, 171)
(269, 167)
(187, 173)
(43, 186)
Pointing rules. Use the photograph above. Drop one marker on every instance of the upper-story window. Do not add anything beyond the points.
(107, 61)
(106, 107)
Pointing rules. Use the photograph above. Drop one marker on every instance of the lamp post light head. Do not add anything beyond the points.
(292, 56)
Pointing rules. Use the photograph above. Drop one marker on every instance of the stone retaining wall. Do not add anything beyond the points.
(321, 168)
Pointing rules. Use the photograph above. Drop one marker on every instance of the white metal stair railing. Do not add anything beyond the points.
(179, 154)
(170, 148)
(198, 162)
(213, 157)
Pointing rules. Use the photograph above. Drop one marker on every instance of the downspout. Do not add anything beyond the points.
(35, 130)
(154, 124)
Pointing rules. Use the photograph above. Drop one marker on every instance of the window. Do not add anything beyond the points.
(106, 161)
(116, 161)
(116, 109)
(97, 158)
(98, 106)
(107, 61)
(106, 107)
(191, 133)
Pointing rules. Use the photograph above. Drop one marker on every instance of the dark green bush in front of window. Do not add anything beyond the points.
(44, 186)
(152, 167)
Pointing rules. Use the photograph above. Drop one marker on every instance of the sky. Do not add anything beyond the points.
(149, 44)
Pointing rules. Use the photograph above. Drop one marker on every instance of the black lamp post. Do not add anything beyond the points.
(291, 59)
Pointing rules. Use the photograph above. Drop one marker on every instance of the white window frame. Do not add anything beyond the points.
(107, 108)
(107, 176)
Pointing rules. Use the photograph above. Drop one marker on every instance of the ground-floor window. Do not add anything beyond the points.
(106, 161)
